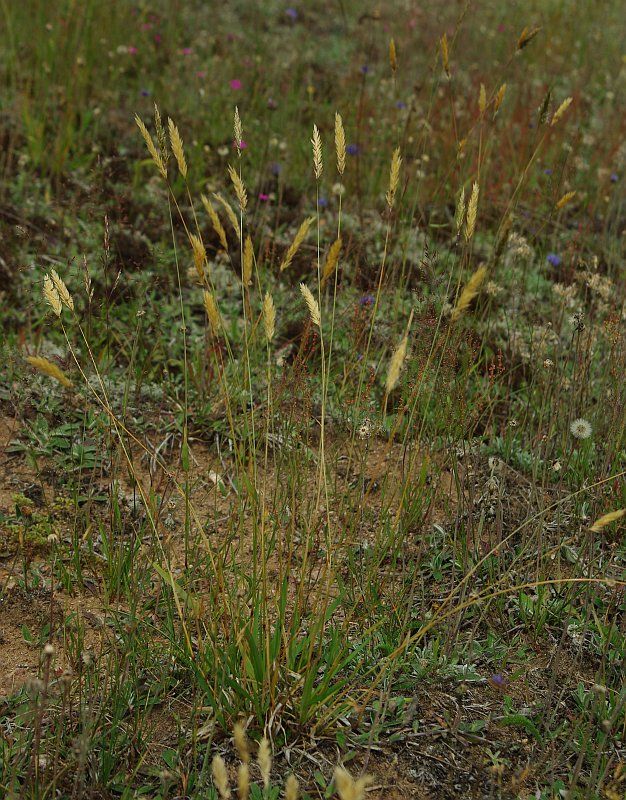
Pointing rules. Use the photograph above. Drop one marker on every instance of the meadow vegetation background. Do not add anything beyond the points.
(312, 406)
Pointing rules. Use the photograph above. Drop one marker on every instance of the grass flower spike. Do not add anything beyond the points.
(314, 309)
(51, 295)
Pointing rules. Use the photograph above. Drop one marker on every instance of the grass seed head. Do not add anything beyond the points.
(445, 53)
(264, 760)
(49, 369)
(316, 141)
(241, 742)
(526, 36)
(295, 245)
(237, 130)
(269, 318)
(331, 261)
(395, 365)
(340, 144)
(292, 788)
(498, 99)
(563, 201)
(393, 56)
(472, 211)
(51, 295)
(243, 781)
(561, 110)
(314, 309)
(59, 285)
(482, 99)
(459, 214)
(176, 143)
(607, 519)
(394, 176)
(220, 777)
(240, 190)
(469, 292)
(215, 221)
(212, 312)
(347, 787)
(199, 255)
(248, 259)
(160, 134)
(229, 213)
(156, 156)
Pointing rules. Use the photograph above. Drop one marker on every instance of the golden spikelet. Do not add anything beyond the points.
(229, 213)
(607, 519)
(561, 110)
(340, 144)
(176, 143)
(394, 176)
(264, 760)
(526, 36)
(248, 258)
(212, 312)
(49, 369)
(199, 255)
(393, 56)
(469, 292)
(498, 99)
(295, 245)
(472, 211)
(269, 320)
(395, 365)
(331, 261)
(317, 152)
(241, 742)
(347, 787)
(51, 295)
(314, 309)
(59, 285)
(215, 221)
(567, 198)
(160, 134)
(237, 130)
(482, 99)
(292, 788)
(445, 55)
(243, 781)
(240, 190)
(156, 156)
(459, 215)
(220, 777)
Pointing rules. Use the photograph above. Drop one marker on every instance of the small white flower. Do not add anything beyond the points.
(556, 466)
(548, 363)
(580, 428)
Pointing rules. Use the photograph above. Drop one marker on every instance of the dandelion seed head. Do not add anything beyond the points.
(581, 428)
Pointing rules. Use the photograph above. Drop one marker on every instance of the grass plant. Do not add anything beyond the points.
(313, 409)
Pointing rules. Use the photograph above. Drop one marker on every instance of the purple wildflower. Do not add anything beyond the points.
(498, 681)
(614, 177)
(553, 259)
(367, 300)
(291, 13)
(352, 149)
